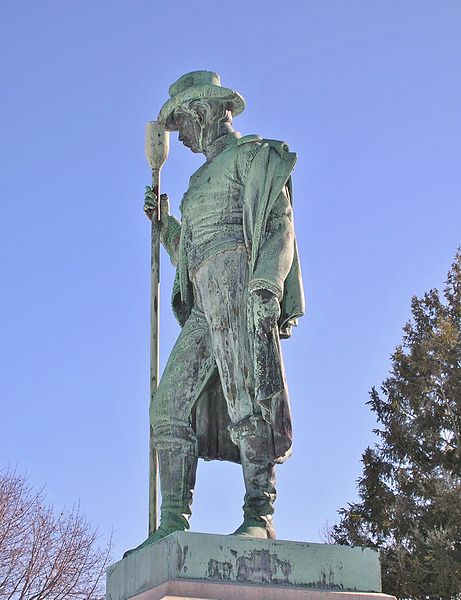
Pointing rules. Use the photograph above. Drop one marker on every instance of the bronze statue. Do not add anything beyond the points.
(238, 290)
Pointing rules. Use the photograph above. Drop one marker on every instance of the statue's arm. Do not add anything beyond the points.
(170, 233)
(275, 256)
(170, 227)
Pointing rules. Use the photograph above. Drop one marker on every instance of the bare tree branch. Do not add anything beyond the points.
(46, 555)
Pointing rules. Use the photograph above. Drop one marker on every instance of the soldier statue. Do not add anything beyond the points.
(237, 292)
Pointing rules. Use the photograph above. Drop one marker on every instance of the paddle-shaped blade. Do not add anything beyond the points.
(157, 144)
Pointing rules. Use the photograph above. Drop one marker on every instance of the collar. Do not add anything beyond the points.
(225, 142)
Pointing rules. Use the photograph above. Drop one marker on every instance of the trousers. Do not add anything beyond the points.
(215, 337)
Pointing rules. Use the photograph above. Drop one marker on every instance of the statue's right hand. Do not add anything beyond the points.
(151, 204)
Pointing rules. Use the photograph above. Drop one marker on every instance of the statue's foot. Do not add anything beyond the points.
(256, 528)
(154, 537)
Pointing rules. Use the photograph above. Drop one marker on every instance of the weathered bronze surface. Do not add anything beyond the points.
(199, 565)
(237, 291)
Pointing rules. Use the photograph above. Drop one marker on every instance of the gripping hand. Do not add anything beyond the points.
(151, 205)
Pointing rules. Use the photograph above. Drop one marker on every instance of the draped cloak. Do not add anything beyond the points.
(269, 174)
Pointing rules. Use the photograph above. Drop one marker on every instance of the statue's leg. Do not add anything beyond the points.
(188, 369)
(252, 436)
(177, 481)
(222, 284)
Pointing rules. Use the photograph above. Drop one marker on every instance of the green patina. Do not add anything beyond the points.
(237, 292)
(231, 560)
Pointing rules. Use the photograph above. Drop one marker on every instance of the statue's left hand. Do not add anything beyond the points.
(266, 310)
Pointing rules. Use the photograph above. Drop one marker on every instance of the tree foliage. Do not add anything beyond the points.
(44, 554)
(410, 489)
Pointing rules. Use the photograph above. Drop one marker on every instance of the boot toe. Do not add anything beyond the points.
(255, 528)
(154, 537)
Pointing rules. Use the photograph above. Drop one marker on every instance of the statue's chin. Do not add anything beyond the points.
(196, 149)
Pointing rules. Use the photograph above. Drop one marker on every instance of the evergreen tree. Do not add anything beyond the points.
(410, 490)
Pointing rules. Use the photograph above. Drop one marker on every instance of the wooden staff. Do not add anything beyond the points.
(157, 146)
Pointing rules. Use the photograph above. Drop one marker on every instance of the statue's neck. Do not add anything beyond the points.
(216, 139)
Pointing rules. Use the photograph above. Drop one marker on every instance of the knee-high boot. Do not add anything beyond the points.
(259, 477)
(177, 482)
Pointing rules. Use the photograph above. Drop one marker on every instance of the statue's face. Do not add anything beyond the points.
(190, 131)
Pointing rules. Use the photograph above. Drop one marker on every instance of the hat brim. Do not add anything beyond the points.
(199, 92)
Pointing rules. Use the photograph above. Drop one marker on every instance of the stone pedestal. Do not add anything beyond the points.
(201, 566)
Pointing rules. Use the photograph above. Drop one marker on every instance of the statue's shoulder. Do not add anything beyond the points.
(279, 146)
(256, 142)
(248, 147)
(252, 139)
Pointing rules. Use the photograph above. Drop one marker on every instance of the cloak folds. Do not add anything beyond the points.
(268, 175)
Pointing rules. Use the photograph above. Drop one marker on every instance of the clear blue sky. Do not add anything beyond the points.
(369, 95)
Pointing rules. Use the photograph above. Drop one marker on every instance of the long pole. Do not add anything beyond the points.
(154, 350)
(157, 143)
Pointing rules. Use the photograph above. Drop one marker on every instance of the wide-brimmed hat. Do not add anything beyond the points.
(198, 85)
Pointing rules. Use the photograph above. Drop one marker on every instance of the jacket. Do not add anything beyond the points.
(269, 176)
